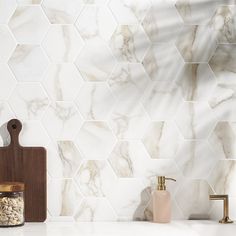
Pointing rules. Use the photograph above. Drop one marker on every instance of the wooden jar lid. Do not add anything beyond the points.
(11, 187)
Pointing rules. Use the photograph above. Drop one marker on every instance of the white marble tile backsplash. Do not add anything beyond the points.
(119, 91)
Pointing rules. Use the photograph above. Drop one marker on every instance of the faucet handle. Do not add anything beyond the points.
(225, 198)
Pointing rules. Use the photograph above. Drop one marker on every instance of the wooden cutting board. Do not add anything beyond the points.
(28, 165)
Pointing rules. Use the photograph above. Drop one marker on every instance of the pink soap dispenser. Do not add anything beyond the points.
(161, 202)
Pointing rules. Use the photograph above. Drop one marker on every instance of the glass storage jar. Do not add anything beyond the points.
(11, 204)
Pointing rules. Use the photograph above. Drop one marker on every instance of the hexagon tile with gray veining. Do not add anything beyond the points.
(196, 43)
(195, 201)
(95, 134)
(62, 82)
(223, 22)
(67, 200)
(129, 12)
(195, 120)
(96, 178)
(161, 56)
(195, 159)
(28, 63)
(67, 46)
(8, 82)
(101, 23)
(162, 22)
(7, 43)
(129, 121)
(95, 62)
(29, 24)
(223, 177)
(196, 82)
(223, 63)
(129, 159)
(6, 10)
(99, 101)
(62, 120)
(29, 101)
(223, 140)
(95, 209)
(62, 11)
(129, 43)
(196, 11)
(162, 99)
(162, 140)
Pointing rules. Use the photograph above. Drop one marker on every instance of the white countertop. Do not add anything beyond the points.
(175, 228)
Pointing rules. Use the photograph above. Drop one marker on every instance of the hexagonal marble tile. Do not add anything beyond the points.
(33, 134)
(223, 99)
(101, 22)
(129, 11)
(162, 22)
(162, 99)
(6, 114)
(95, 62)
(29, 2)
(160, 57)
(8, 82)
(128, 81)
(195, 201)
(223, 177)
(162, 139)
(63, 197)
(95, 140)
(195, 120)
(62, 120)
(191, 156)
(196, 82)
(223, 140)
(6, 10)
(196, 11)
(223, 63)
(129, 43)
(95, 1)
(29, 101)
(196, 43)
(95, 209)
(63, 159)
(28, 24)
(7, 43)
(62, 11)
(95, 178)
(99, 101)
(63, 82)
(129, 159)
(62, 43)
(28, 63)
(223, 22)
(129, 121)
(137, 195)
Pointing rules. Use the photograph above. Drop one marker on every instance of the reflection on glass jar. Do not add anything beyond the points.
(11, 204)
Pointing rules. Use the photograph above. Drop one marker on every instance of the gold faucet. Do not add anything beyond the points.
(225, 219)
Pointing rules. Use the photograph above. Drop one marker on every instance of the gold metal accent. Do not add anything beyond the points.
(161, 182)
(11, 187)
(225, 219)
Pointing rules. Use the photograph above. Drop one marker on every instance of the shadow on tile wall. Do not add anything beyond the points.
(119, 91)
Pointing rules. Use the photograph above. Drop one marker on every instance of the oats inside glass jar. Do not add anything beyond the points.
(11, 204)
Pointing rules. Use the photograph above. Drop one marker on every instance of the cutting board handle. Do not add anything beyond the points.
(14, 127)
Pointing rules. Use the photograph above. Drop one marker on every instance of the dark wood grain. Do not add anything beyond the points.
(28, 165)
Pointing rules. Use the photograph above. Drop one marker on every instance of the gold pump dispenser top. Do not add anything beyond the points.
(161, 182)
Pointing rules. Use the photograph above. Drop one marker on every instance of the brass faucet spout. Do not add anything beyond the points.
(225, 198)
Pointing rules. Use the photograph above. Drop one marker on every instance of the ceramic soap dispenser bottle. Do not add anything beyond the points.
(161, 201)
